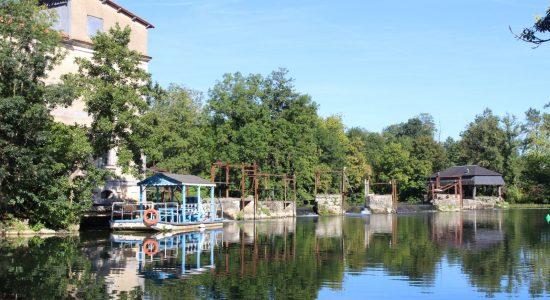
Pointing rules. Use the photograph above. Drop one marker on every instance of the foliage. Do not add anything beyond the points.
(532, 35)
(264, 120)
(38, 158)
(482, 142)
(115, 89)
(176, 137)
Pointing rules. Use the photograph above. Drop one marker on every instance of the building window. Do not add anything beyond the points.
(95, 25)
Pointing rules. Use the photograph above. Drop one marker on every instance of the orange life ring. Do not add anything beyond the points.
(150, 247)
(153, 221)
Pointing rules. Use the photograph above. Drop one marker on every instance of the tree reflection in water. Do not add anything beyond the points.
(497, 252)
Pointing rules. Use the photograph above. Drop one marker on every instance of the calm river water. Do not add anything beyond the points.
(484, 254)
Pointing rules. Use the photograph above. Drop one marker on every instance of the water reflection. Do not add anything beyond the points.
(469, 230)
(433, 255)
(159, 257)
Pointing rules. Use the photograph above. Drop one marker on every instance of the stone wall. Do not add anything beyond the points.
(329, 204)
(380, 204)
(450, 202)
(447, 202)
(266, 209)
(484, 202)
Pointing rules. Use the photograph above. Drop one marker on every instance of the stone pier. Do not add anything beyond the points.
(380, 204)
(265, 210)
(329, 204)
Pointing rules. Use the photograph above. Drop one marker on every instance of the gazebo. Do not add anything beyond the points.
(183, 213)
(469, 177)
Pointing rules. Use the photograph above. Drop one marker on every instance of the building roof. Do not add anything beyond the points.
(471, 175)
(466, 171)
(130, 14)
(169, 179)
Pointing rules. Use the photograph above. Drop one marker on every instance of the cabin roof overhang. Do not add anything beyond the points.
(169, 179)
(471, 175)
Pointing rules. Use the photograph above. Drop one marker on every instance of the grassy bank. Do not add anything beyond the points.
(529, 205)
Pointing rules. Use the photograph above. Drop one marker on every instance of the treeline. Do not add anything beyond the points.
(48, 170)
(265, 120)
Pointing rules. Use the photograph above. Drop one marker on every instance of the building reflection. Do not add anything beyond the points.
(476, 230)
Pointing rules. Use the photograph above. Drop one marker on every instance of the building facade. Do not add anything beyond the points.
(80, 20)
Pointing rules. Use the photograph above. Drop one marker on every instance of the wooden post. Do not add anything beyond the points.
(394, 194)
(343, 188)
(499, 193)
(226, 180)
(475, 189)
(461, 192)
(367, 190)
(255, 179)
(213, 169)
(285, 185)
(294, 187)
(242, 186)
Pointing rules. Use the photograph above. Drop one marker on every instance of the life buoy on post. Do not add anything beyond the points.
(150, 247)
(153, 221)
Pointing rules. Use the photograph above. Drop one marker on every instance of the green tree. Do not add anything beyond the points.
(510, 151)
(483, 141)
(536, 158)
(39, 159)
(115, 89)
(421, 125)
(264, 120)
(454, 151)
(176, 136)
(424, 148)
(333, 142)
(358, 168)
(239, 121)
(393, 163)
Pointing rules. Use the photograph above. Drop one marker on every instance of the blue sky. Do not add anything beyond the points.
(375, 63)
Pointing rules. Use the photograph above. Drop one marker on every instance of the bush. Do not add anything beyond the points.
(514, 195)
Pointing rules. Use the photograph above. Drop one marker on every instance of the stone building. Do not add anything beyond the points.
(80, 20)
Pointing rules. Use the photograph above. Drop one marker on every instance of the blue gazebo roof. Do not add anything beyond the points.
(169, 179)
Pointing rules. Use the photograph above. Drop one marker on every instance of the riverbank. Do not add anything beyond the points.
(529, 205)
(19, 228)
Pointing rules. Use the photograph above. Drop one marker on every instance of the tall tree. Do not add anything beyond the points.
(264, 120)
(424, 148)
(115, 89)
(239, 120)
(39, 159)
(454, 151)
(536, 171)
(483, 141)
(176, 136)
(510, 150)
(358, 168)
(421, 125)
